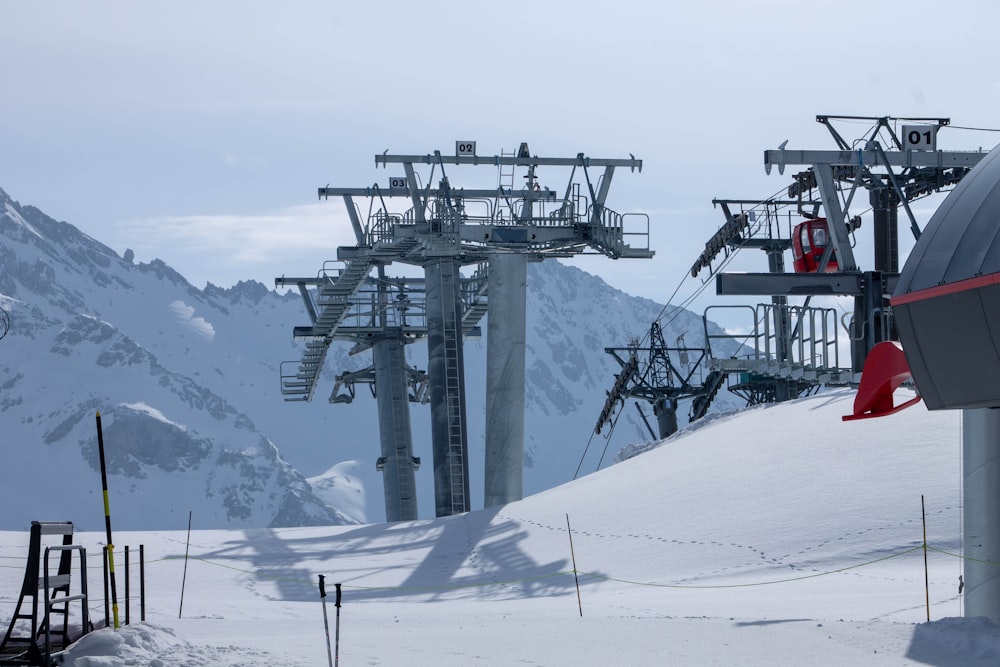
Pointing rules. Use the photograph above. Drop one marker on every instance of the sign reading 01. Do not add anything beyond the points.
(920, 137)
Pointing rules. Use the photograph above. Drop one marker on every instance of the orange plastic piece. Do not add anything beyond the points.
(885, 369)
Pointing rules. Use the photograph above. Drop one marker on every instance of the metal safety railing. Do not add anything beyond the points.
(781, 341)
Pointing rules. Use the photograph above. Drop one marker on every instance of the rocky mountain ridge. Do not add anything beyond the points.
(186, 381)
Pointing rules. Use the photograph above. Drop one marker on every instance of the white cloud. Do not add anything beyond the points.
(199, 325)
(225, 249)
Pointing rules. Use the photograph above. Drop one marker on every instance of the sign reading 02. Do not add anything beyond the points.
(920, 137)
(465, 148)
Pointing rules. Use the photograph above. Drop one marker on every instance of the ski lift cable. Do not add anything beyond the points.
(584, 455)
(607, 442)
(975, 129)
(679, 309)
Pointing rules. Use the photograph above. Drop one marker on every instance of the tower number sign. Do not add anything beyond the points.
(920, 137)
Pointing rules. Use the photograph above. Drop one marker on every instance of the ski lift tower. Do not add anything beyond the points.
(446, 228)
(658, 380)
(384, 315)
(894, 169)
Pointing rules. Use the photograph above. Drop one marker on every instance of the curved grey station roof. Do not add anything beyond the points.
(962, 239)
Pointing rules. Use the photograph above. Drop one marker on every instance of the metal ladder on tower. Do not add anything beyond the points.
(453, 386)
(405, 463)
(505, 178)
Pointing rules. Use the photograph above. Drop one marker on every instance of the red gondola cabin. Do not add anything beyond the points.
(809, 241)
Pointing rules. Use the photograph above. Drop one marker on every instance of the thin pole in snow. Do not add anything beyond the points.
(107, 521)
(326, 621)
(142, 583)
(127, 570)
(927, 586)
(336, 657)
(187, 547)
(579, 601)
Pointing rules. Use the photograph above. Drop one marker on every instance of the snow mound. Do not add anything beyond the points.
(150, 645)
(975, 638)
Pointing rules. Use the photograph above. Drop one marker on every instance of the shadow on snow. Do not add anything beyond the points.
(466, 556)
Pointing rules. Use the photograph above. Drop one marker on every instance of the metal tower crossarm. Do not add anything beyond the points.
(566, 230)
(869, 157)
(828, 167)
(579, 161)
(458, 193)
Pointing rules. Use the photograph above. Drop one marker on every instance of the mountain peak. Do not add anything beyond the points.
(249, 292)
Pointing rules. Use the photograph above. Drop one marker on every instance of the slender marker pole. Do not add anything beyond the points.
(326, 621)
(127, 571)
(107, 594)
(187, 548)
(579, 602)
(107, 522)
(336, 659)
(927, 586)
(142, 583)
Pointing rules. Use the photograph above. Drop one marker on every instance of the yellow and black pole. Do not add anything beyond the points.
(107, 522)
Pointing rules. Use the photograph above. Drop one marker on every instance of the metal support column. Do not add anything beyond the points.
(397, 463)
(785, 390)
(505, 393)
(870, 325)
(665, 410)
(446, 376)
(885, 217)
(836, 219)
(980, 532)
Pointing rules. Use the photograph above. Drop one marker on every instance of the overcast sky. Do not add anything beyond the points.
(198, 132)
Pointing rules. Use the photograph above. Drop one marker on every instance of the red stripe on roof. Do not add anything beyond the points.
(944, 290)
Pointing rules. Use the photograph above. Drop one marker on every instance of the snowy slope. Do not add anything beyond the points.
(777, 536)
(189, 380)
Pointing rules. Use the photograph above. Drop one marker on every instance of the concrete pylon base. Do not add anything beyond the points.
(505, 394)
(981, 530)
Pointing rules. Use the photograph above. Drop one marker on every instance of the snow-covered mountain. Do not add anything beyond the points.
(186, 381)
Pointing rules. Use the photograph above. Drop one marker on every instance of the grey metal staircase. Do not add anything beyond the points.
(333, 301)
